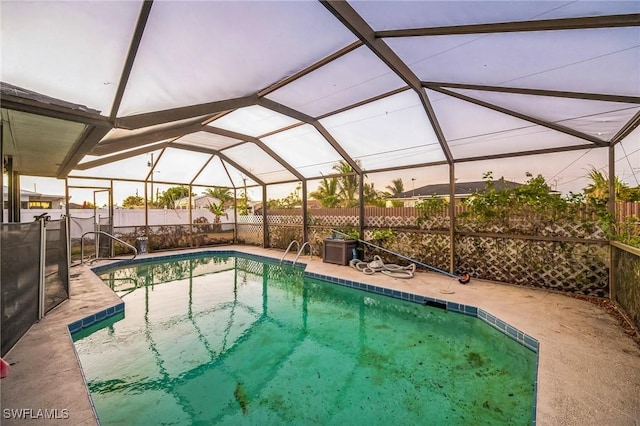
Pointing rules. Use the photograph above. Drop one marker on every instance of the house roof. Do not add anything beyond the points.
(461, 189)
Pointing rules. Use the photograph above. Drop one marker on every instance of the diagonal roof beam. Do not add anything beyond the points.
(131, 56)
(526, 153)
(629, 20)
(627, 129)
(358, 26)
(127, 142)
(222, 157)
(259, 143)
(121, 156)
(274, 106)
(548, 124)
(89, 138)
(175, 114)
(365, 102)
(536, 92)
(311, 68)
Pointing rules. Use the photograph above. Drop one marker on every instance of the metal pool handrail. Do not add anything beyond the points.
(289, 248)
(135, 250)
(301, 250)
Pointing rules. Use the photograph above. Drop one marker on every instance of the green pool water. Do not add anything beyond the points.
(233, 340)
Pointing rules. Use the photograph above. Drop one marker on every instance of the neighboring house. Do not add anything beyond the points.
(198, 202)
(463, 190)
(34, 200)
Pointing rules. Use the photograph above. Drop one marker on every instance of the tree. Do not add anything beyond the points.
(394, 190)
(598, 189)
(169, 197)
(132, 201)
(221, 194)
(291, 201)
(327, 193)
(347, 184)
(218, 210)
(371, 196)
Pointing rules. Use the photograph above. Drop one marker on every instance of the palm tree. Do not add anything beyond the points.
(327, 193)
(222, 194)
(599, 186)
(217, 210)
(395, 189)
(348, 184)
(371, 196)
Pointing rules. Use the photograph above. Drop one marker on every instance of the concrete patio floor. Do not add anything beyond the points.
(589, 370)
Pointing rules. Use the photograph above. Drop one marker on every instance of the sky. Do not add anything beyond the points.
(565, 172)
(270, 41)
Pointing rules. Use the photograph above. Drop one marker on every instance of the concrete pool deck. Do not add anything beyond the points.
(589, 370)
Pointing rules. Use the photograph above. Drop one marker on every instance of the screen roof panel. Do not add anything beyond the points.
(68, 50)
(344, 81)
(604, 60)
(305, 149)
(257, 162)
(177, 165)
(509, 141)
(394, 128)
(589, 116)
(215, 174)
(479, 122)
(387, 15)
(253, 121)
(207, 140)
(188, 55)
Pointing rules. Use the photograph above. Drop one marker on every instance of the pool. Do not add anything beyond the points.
(232, 339)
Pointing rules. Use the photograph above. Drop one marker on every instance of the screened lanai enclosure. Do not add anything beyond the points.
(270, 98)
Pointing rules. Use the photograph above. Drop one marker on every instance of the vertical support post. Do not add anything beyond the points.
(452, 219)
(611, 208)
(305, 213)
(67, 224)
(235, 215)
(361, 217)
(13, 192)
(146, 213)
(190, 215)
(41, 281)
(66, 202)
(265, 224)
(112, 224)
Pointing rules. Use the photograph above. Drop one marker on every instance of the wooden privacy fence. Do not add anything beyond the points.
(624, 210)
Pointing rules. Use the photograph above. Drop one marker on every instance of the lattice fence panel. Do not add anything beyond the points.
(285, 220)
(431, 249)
(250, 219)
(570, 267)
(251, 234)
(334, 221)
(563, 229)
(281, 236)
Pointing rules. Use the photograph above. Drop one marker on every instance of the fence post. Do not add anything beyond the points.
(43, 253)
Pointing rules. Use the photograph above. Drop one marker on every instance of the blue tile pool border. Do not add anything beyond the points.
(94, 318)
(522, 338)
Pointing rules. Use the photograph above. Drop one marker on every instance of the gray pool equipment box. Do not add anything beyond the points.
(338, 251)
